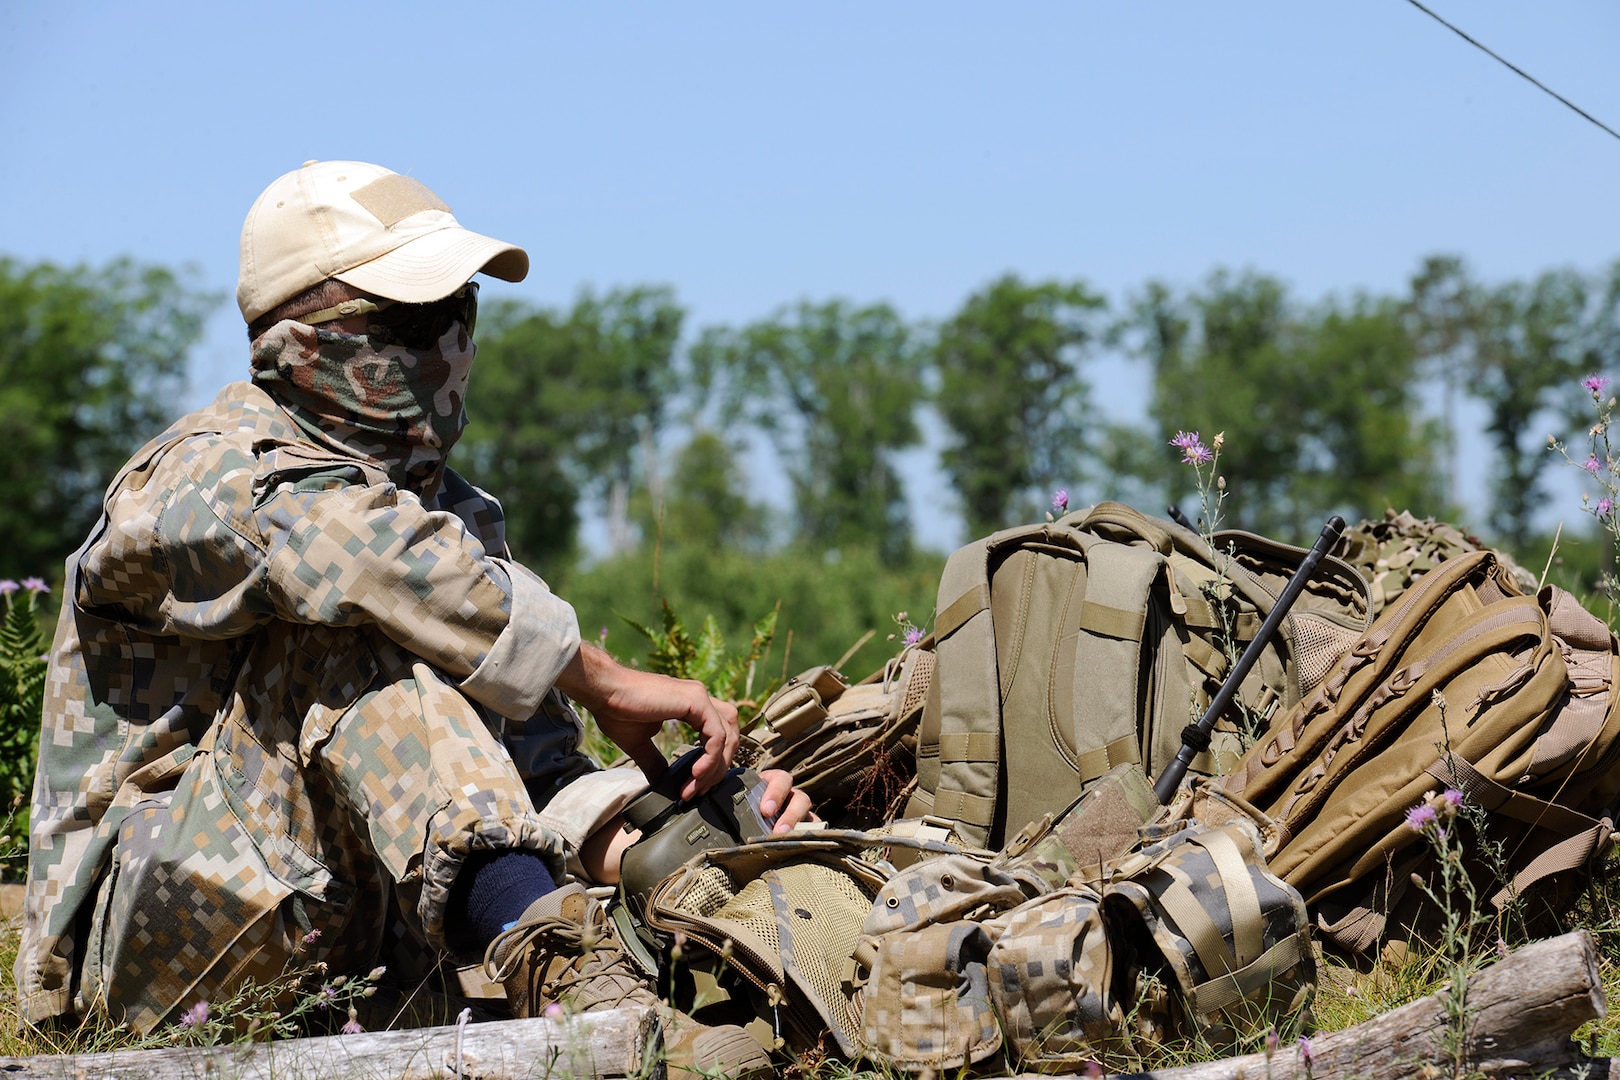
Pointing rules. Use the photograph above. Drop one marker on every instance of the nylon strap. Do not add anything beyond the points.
(1242, 901)
(1182, 905)
(960, 610)
(1108, 651)
(1585, 837)
(1224, 991)
(970, 691)
(1094, 763)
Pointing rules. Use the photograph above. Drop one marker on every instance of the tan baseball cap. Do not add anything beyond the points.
(368, 227)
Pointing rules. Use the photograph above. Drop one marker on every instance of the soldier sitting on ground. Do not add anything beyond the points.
(302, 698)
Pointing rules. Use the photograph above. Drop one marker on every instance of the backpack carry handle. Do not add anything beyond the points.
(1195, 737)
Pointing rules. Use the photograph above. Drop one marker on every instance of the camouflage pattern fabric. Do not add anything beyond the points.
(285, 695)
(1394, 552)
(947, 888)
(971, 954)
(927, 1004)
(787, 911)
(1234, 938)
(404, 407)
(1052, 981)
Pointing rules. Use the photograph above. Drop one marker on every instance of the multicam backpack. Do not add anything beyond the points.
(1395, 551)
(1463, 682)
(1069, 647)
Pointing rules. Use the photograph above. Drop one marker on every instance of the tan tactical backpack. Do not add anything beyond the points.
(1464, 682)
(1070, 647)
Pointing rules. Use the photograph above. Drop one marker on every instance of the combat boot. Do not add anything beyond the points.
(563, 951)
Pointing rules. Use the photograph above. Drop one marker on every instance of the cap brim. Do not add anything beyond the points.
(436, 264)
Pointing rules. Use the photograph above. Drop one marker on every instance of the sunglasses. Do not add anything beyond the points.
(412, 326)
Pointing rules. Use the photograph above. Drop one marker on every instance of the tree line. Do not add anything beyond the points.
(1343, 404)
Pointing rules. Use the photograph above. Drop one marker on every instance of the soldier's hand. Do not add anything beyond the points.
(783, 801)
(631, 707)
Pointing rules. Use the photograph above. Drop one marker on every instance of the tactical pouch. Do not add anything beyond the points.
(1233, 937)
(971, 953)
(927, 1001)
(968, 967)
(1056, 981)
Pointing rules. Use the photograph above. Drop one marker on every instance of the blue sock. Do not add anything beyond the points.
(491, 892)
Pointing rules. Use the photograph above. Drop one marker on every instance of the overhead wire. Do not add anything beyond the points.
(1537, 83)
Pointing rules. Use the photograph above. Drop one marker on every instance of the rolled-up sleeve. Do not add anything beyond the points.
(539, 640)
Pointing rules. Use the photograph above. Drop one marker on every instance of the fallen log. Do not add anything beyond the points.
(1524, 1009)
(611, 1043)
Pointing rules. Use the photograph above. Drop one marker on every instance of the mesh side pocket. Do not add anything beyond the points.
(820, 912)
(917, 687)
(1320, 643)
(709, 890)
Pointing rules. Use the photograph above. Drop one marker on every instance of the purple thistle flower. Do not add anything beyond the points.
(1185, 439)
(1060, 500)
(1595, 383)
(7, 587)
(1305, 1054)
(1193, 450)
(1453, 797)
(196, 1016)
(1605, 506)
(1592, 465)
(1420, 817)
(913, 636)
(352, 1027)
(35, 585)
(1501, 949)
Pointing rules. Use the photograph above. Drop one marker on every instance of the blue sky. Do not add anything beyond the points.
(753, 155)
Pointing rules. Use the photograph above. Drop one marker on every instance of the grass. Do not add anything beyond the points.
(1345, 996)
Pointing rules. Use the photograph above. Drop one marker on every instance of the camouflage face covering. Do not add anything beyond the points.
(401, 407)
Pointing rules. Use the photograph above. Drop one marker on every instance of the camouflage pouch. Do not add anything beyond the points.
(927, 1003)
(973, 884)
(948, 888)
(1056, 982)
(1233, 938)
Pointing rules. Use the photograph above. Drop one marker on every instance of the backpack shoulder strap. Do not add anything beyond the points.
(1108, 655)
(970, 715)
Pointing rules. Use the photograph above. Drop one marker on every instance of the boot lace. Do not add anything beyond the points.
(596, 960)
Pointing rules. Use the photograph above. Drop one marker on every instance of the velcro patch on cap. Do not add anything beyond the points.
(392, 198)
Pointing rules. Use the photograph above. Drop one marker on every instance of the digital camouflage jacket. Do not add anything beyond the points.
(284, 696)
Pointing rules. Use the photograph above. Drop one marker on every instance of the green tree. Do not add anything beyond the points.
(1368, 445)
(568, 403)
(836, 388)
(92, 361)
(1320, 406)
(705, 501)
(1011, 392)
(1519, 349)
